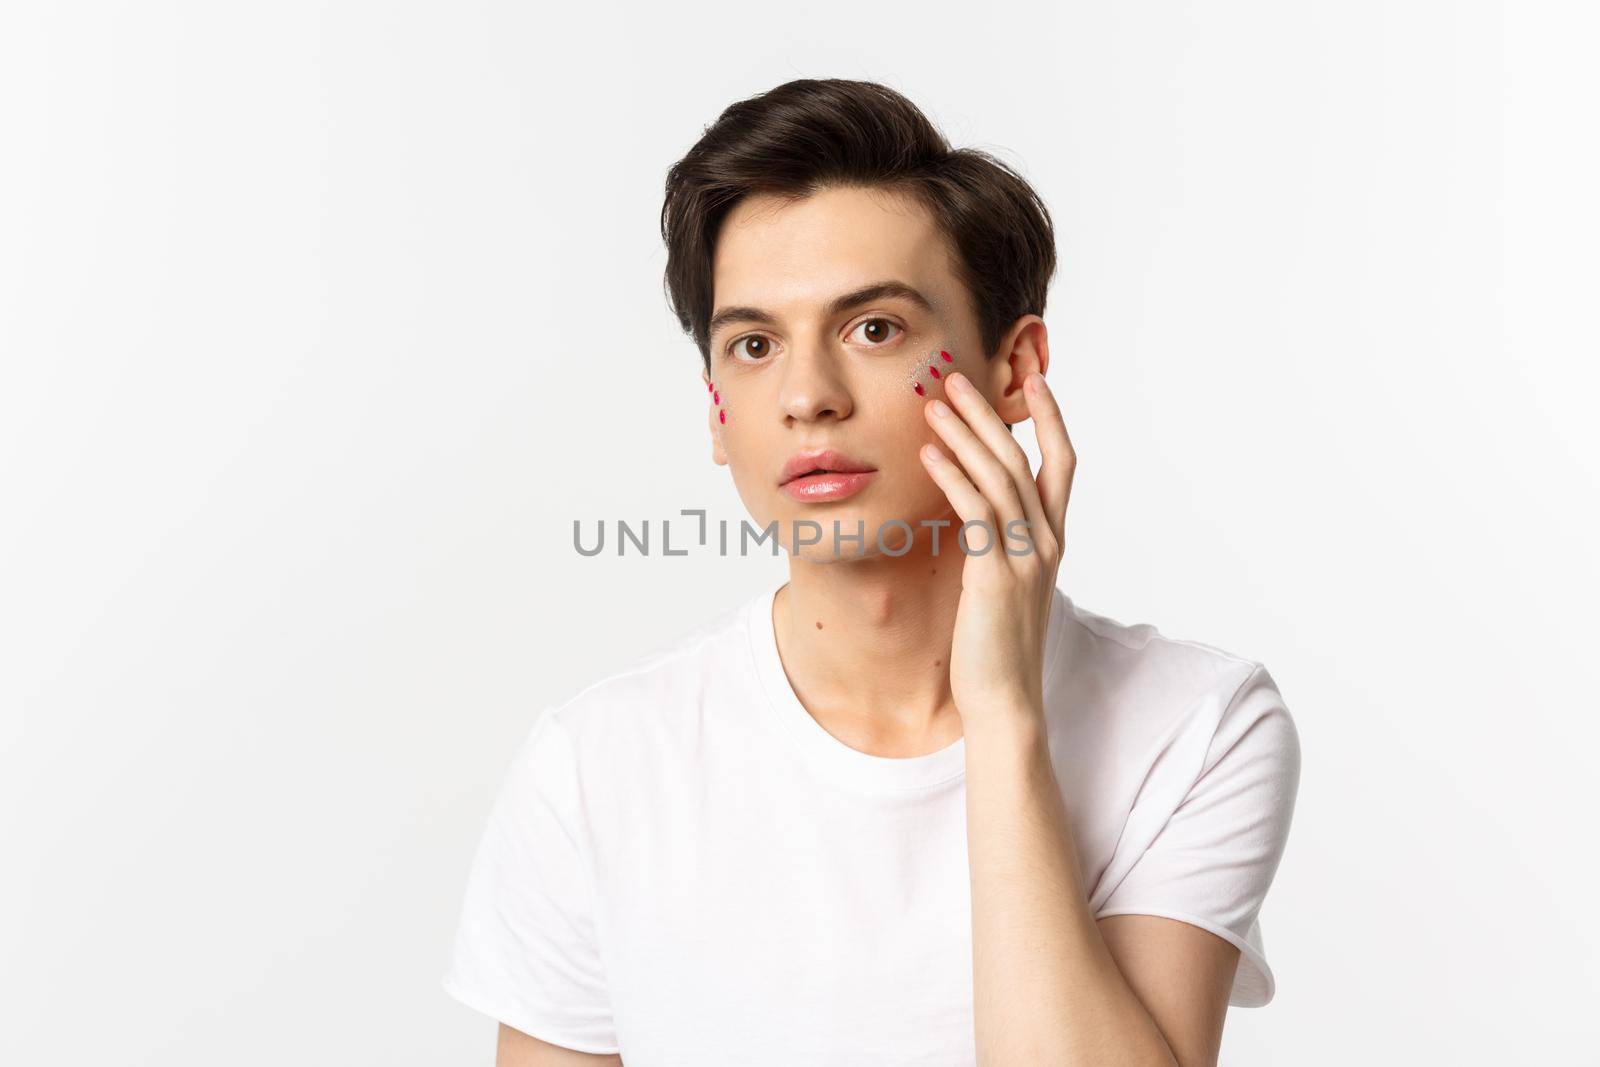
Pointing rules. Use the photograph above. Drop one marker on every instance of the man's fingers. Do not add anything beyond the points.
(1058, 460)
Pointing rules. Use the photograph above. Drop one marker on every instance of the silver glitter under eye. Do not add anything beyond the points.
(930, 371)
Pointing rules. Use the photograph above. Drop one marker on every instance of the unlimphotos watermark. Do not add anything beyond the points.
(747, 533)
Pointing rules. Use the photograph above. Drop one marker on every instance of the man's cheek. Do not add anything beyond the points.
(927, 375)
(719, 403)
(723, 413)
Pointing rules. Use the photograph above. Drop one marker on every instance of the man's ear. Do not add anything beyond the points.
(718, 455)
(1026, 349)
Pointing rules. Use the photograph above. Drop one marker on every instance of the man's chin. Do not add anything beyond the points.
(850, 536)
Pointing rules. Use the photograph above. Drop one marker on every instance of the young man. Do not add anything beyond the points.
(913, 805)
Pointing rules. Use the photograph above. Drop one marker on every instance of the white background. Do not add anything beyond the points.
(321, 323)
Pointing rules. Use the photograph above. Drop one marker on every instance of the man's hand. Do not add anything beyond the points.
(997, 655)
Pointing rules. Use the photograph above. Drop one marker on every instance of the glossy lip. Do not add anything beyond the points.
(830, 460)
(840, 476)
(827, 487)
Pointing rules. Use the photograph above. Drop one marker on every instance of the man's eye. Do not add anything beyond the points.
(876, 331)
(754, 345)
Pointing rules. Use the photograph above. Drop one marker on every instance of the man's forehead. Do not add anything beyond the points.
(862, 217)
(773, 251)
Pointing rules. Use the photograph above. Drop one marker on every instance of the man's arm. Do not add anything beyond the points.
(1050, 985)
(517, 1049)
(1181, 974)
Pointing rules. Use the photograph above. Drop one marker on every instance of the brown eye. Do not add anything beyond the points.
(754, 346)
(877, 331)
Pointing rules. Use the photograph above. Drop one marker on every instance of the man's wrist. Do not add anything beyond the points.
(1013, 729)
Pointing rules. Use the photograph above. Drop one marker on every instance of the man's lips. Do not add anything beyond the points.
(814, 461)
(826, 486)
(817, 475)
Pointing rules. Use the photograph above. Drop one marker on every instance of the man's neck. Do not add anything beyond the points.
(866, 646)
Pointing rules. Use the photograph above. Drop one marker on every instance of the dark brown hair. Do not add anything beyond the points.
(810, 133)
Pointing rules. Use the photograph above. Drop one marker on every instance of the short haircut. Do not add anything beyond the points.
(811, 133)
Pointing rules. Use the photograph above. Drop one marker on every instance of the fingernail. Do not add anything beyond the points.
(959, 383)
(940, 408)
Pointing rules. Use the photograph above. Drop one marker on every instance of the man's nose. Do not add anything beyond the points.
(814, 386)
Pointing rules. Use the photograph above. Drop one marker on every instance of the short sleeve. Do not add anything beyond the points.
(1210, 864)
(525, 951)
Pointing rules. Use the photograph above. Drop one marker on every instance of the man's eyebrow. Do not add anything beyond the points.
(844, 302)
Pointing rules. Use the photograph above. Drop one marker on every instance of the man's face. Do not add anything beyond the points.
(811, 372)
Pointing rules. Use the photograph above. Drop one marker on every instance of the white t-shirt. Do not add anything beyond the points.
(684, 867)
